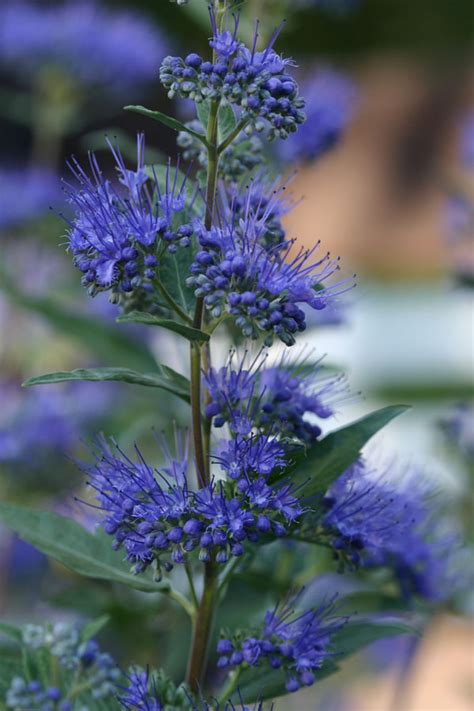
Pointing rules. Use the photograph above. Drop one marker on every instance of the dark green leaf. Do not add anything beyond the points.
(174, 270)
(227, 121)
(178, 385)
(99, 337)
(77, 549)
(166, 121)
(326, 460)
(92, 628)
(192, 334)
(10, 631)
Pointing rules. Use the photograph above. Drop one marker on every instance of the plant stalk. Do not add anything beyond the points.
(202, 628)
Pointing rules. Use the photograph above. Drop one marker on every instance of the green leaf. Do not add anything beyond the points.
(261, 684)
(77, 549)
(92, 628)
(227, 121)
(10, 631)
(172, 382)
(166, 121)
(192, 334)
(326, 460)
(203, 110)
(174, 270)
(101, 338)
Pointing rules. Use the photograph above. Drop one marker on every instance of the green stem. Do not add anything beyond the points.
(172, 303)
(202, 630)
(230, 687)
(187, 606)
(232, 136)
(191, 586)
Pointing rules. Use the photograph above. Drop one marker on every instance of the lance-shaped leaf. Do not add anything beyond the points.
(170, 380)
(166, 121)
(67, 542)
(327, 459)
(192, 334)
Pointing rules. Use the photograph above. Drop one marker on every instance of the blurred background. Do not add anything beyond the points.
(386, 172)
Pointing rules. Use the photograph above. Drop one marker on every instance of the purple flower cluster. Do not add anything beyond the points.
(297, 643)
(329, 98)
(246, 396)
(113, 49)
(95, 672)
(373, 522)
(154, 691)
(33, 696)
(160, 520)
(263, 290)
(257, 83)
(26, 194)
(119, 233)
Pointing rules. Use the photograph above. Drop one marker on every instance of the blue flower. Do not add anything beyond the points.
(278, 399)
(257, 83)
(159, 520)
(329, 98)
(373, 522)
(119, 233)
(263, 290)
(115, 50)
(296, 643)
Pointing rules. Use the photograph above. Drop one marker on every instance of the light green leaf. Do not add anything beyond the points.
(203, 111)
(192, 334)
(92, 628)
(77, 549)
(166, 121)
(327, 459)
(172, 382)
(227, 121)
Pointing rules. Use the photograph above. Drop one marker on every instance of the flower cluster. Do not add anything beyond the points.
(33, 696)
(329, 98)
(115, 50)
(160, 520)
(297, 643)
(373, 522)
(238, 159)
(81, 662)
(257, 83)
(119, 233)
(263, 290)
(154, 691)
(246, 395)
